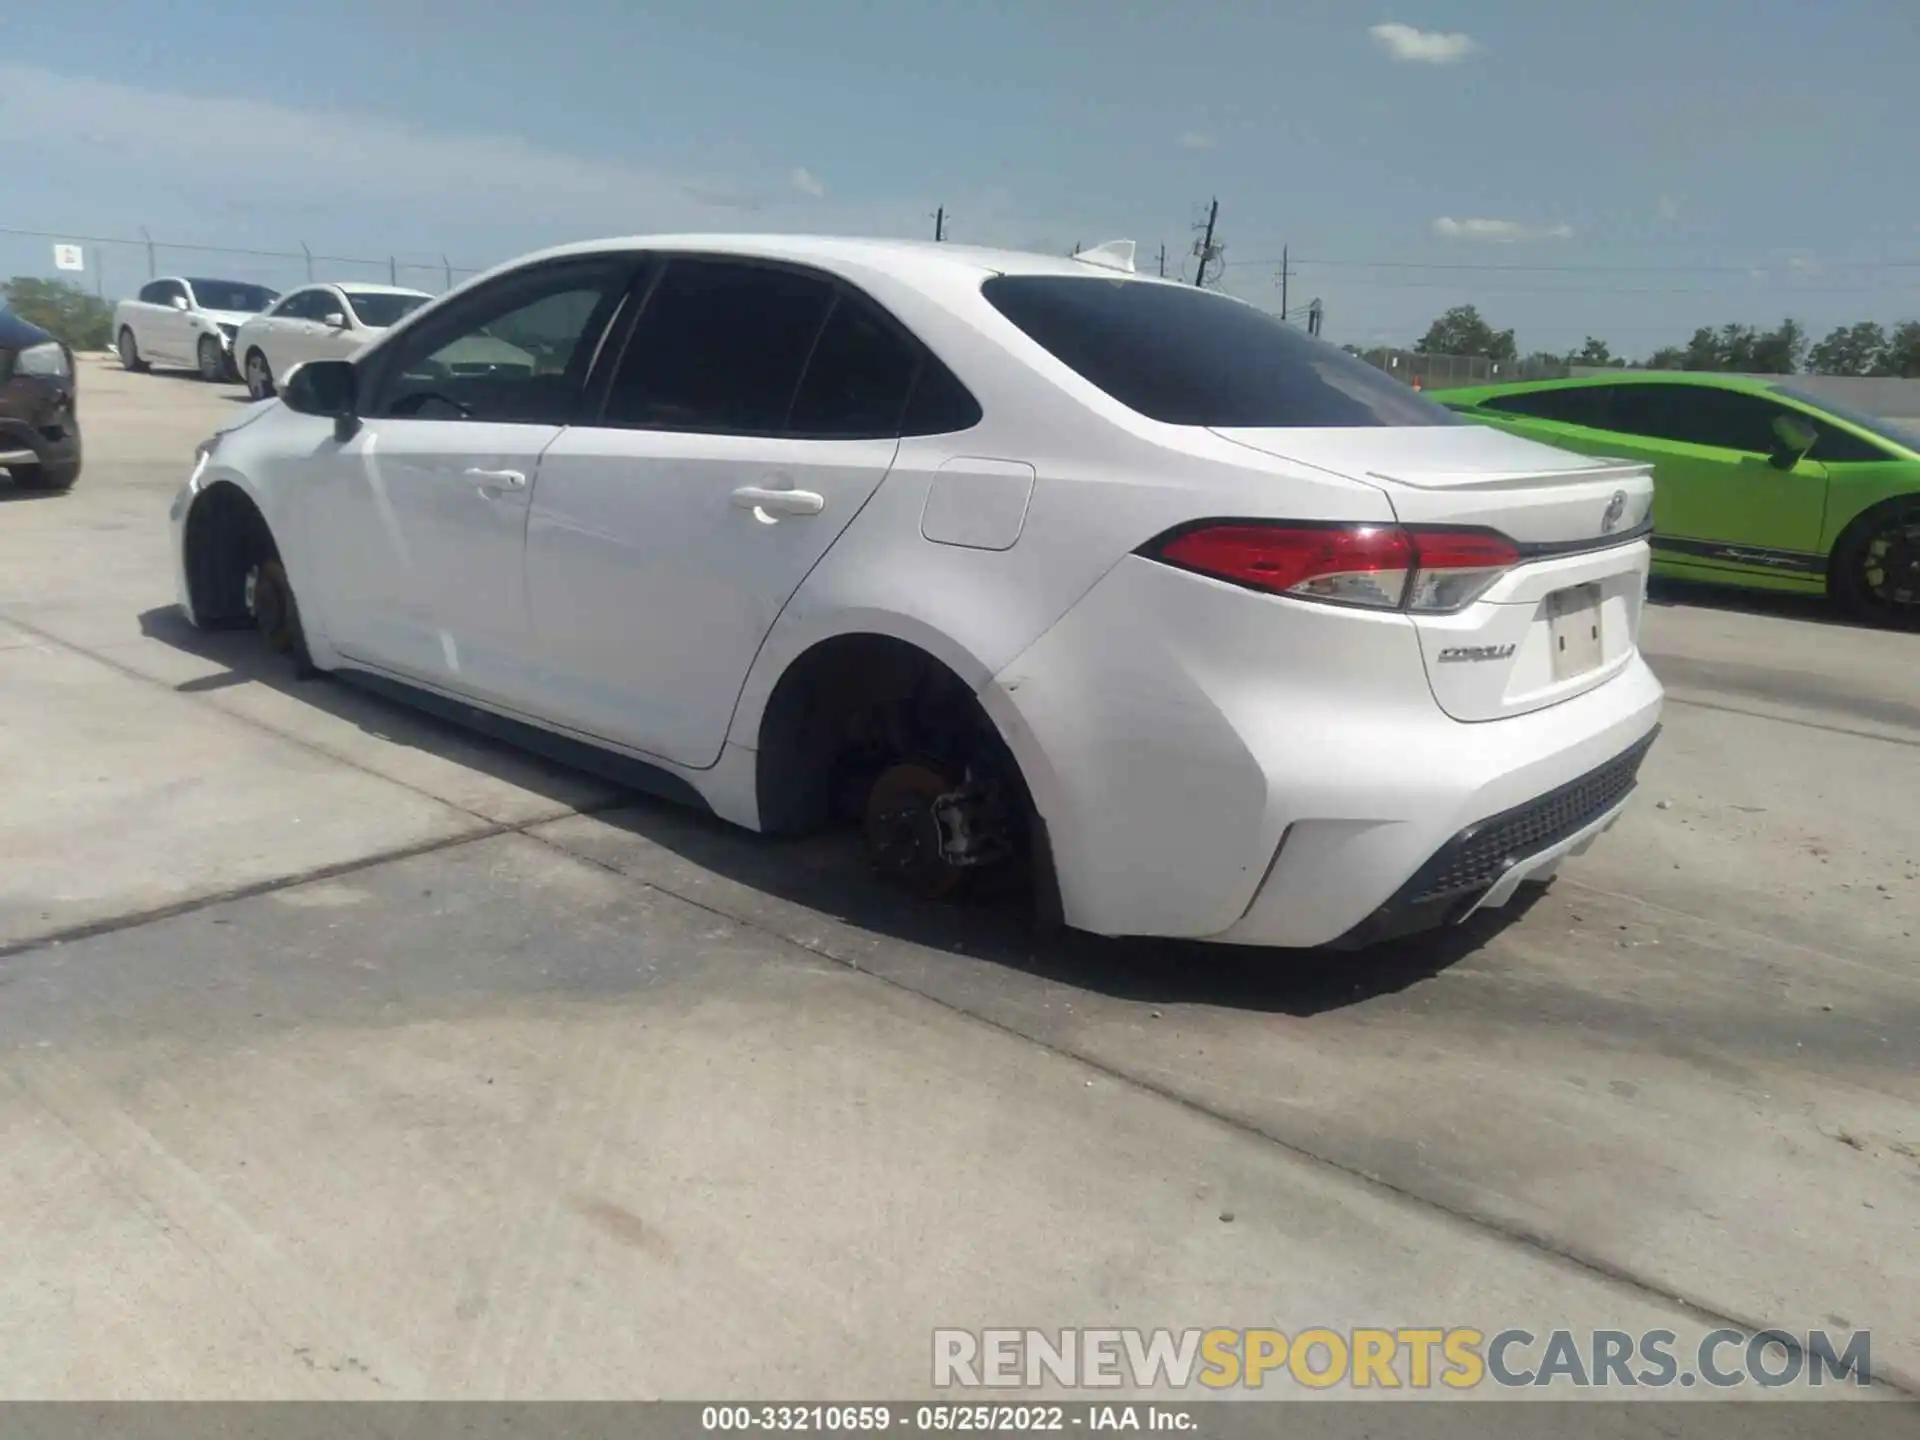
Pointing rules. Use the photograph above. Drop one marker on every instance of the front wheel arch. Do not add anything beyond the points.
(225, 536)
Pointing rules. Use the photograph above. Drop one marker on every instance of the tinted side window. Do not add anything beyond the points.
(857, 381)
(1841, 447)
(1696, 415)
(153, 293)
(304, 306)
(719, 347)
(940, 405)
(1186, 356)
(516, 352)
(1573, 405)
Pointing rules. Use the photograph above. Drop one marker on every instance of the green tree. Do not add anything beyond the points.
(1778, 351)
(1849, 350)
(1902, 355)
(62, 309)
(1668, 357)
(1594, 352)
(1733, 347)
(1461, 331)
(1703, 352)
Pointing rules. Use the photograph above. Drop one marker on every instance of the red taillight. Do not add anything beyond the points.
(1385, 566)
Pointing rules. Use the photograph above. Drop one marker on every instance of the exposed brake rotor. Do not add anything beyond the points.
(905, 839)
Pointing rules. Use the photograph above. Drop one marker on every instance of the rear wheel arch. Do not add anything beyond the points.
(1846, 585)
(852, 704)
(802, 729)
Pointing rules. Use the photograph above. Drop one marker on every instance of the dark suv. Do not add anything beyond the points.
(39, 434)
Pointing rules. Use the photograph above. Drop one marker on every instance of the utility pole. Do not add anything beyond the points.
(1205, 248)
(1163, 262)
(940, 223)
(1283, 282)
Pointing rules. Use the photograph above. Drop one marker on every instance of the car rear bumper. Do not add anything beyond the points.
(1487, 862)
(1216, 764)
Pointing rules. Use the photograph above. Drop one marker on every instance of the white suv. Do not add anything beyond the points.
(1005, 558)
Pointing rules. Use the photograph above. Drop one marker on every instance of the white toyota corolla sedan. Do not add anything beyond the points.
(1009, 560)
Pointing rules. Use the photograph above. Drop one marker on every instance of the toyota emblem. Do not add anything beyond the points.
(1616, 507)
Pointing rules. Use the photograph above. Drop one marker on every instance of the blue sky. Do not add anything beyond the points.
(1663, 163)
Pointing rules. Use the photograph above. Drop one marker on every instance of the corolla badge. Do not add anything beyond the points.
(1616, 508)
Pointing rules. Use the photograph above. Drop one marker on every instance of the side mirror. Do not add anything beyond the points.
(335, 320)
(326, 388)
(179, 302)
(1792, 439)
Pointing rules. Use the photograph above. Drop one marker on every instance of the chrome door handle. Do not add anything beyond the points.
(499, 479)
(779, 502)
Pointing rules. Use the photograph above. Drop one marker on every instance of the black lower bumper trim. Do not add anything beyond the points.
(17, 434)
(1474, 861)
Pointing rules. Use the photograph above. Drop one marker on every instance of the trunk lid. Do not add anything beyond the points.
(1563, 621)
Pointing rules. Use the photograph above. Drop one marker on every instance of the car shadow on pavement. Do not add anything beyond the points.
(828, 875)
(10, 492)
(1704, 595)
(244, 660)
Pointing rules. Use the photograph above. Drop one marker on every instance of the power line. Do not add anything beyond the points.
(1587, 269)
(1730, 292)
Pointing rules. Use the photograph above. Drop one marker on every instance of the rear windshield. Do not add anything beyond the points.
(1186, 356)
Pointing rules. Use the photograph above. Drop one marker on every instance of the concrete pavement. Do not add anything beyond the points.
(491, 1081)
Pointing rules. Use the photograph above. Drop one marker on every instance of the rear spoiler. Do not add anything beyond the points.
(1514, 479)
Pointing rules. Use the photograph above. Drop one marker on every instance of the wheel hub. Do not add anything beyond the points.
(267, 605)
(1892, 570)
(905, 839)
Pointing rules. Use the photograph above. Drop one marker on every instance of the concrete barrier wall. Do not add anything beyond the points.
(1896, 399)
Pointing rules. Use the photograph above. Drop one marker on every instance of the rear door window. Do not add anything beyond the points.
(858, 378)
(721, 346)
(1185, 356)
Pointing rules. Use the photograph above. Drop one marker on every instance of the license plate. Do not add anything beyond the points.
(1573, 621)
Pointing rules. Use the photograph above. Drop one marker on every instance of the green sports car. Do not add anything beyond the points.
(1755, 483)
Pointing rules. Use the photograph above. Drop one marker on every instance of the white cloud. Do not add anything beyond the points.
(1423, 47)
(230, 170)
(1194, 140)
(106, 158)
(1499, 232)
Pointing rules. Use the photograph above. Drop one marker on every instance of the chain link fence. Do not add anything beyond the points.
(1439, 372)
(116, 266)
